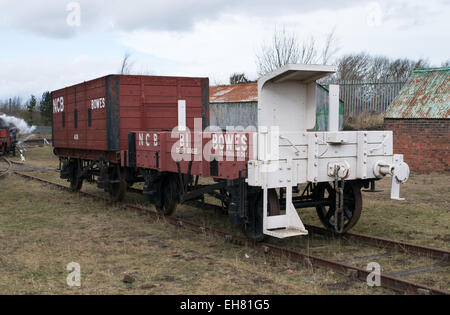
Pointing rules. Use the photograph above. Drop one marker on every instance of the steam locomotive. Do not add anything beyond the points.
(8, 140)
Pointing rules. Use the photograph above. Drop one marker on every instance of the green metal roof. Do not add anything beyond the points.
(426, 95)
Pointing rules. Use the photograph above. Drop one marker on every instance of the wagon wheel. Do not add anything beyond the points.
(117, 186)
(76, 181)
(352, 205)
(226, 199)
(167, 202)
(254, 230)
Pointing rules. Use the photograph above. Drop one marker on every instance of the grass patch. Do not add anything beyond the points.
(37, 243)
(43, 229)
(364, 121)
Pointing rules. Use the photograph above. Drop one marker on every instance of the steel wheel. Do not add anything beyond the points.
(352, 205)
(254, 230)
(168, 197)
(76, 182)
(227, 199)
(117, 186)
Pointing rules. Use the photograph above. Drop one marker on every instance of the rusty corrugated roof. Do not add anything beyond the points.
(426, 95)
(236, 93)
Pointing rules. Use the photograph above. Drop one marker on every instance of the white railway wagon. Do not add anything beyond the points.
(334, 165)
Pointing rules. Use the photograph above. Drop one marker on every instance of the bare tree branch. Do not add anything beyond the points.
(285, 48)
(282, 50)
(330, 49)
(363, 67)
(127, 64)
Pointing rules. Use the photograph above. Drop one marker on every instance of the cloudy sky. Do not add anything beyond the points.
(46, 45)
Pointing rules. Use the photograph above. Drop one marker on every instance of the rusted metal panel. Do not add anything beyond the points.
(425, 96)
(236, 93)
(234, 105)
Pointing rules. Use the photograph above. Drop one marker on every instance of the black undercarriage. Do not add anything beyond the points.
(243, 203)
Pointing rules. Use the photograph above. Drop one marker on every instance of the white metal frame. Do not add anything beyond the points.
(288, 154)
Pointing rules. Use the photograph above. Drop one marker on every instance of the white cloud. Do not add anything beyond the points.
(229, 44)
(48, 18)
(36, 75)
(212, 49)
(204, 37)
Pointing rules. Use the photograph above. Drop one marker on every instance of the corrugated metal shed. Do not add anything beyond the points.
(237, 93)
(237, 105)
(425, 96)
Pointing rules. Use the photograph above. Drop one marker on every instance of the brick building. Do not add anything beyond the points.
(420, 119)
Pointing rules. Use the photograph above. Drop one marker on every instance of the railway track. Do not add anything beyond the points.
(380, 242)
(425, 251)
(5, 171)
(354, 272)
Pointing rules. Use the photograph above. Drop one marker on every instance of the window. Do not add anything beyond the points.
(64, 119)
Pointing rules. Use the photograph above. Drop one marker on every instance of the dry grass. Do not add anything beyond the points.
(44, 229)
(364, 121)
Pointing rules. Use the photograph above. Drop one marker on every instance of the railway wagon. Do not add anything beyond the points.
(120, 130)
(8, 141)
(92, 120)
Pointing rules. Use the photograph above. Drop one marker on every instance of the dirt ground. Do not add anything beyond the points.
(43, 229)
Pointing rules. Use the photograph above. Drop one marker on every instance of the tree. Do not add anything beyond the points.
(402, 69)
(364, 67)
(285, 48)
(330, 49)
(379, 67)
(45, 107)
(31, 108)
(353, 67)
(238, 78)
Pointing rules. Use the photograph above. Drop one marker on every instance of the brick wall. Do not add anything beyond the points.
(425, 143)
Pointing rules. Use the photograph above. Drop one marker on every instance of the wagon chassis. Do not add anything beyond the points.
(238, 199)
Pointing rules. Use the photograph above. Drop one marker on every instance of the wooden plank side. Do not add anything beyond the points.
(144, 100)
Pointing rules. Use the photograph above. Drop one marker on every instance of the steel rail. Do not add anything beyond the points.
(393, 283)
(6, 171)
(432, 252)
(381, 242)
